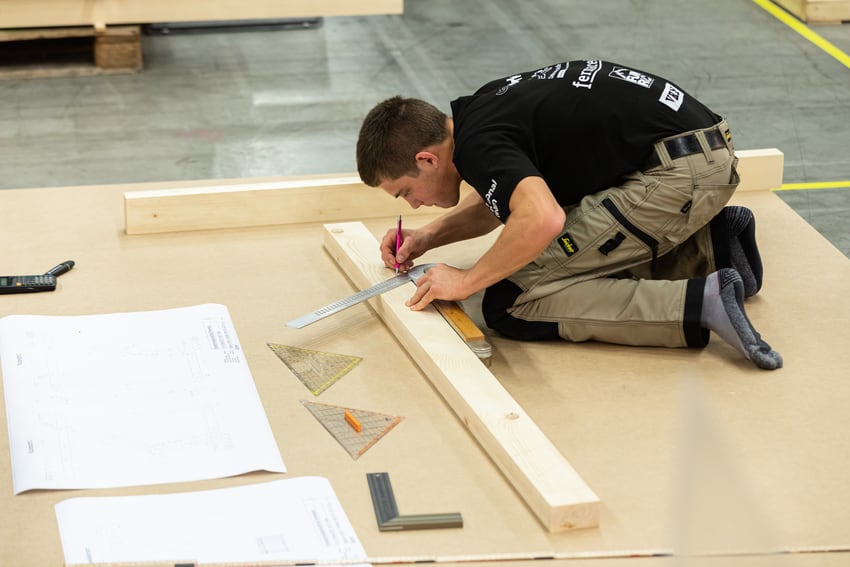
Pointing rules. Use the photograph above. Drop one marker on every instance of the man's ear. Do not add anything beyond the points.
(426, 160)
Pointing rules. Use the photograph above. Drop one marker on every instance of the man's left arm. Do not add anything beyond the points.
(536, 219)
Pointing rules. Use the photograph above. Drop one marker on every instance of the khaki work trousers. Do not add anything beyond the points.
(620, 271)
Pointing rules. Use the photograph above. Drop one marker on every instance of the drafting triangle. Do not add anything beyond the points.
(317, 370)
(374, 426)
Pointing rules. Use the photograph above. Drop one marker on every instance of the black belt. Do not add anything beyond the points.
(686, 145)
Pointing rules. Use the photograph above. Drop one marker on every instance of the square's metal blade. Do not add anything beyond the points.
(358, 297)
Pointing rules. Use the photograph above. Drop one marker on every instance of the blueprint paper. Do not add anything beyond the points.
(292, 520)
(124, 399)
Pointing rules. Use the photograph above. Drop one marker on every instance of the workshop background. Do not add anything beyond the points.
(282, 98)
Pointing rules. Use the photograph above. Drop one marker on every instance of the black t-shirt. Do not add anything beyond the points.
(580, 125)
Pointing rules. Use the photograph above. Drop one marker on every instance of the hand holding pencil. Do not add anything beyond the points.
(414, 241)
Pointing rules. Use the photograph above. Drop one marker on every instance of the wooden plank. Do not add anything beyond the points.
(818, 11)
(550, 486)
(795, 7)
(45, 33)
(327, 198)
(760, 169)
(46, 13)
(286, 201)
(828, 11)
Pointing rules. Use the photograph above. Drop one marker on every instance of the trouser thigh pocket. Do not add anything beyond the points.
(595, 241)
(708, 201)
(647, 240)
(712, 191)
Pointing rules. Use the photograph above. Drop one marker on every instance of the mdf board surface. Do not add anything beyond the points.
(730, 452)
(265, 276)
(694, 450)
(711, 451)
(44, 13)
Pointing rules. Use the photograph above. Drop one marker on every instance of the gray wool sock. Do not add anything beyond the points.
(743, 250)
(723, 313)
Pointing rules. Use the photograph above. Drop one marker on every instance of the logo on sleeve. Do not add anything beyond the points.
(672, 97)
(551, 72)
(546, 73)
(568, 244)
(633, 77)
(491, 202)
(512, 80)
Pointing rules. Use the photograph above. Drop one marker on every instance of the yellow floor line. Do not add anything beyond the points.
(815, 185)
(804, 30)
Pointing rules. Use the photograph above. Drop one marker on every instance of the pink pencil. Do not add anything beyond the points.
(397, 241)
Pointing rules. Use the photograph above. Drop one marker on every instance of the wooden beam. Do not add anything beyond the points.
(321, 198)
(818, 11)
(286, 201)
(550, 486)
(760, 169)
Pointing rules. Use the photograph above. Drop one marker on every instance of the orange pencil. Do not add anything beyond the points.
(353, 421)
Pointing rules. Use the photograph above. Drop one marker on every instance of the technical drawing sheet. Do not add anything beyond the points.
(298, 520)
(123, 399)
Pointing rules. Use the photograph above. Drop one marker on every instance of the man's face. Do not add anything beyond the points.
(427, 189)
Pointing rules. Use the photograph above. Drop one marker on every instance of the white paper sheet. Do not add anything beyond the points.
(298, 519)
(127, 399)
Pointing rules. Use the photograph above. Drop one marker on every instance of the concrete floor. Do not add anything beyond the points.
(269, 103)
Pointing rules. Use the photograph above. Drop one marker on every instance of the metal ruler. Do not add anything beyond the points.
(451, 311)
(386, 510)
(373, 425)
(359, 297)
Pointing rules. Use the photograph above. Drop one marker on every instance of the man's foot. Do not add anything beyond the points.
(723, 312)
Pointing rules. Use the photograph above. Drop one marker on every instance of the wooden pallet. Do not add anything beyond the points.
(69, 52)
(50, 13)
(818, 11)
